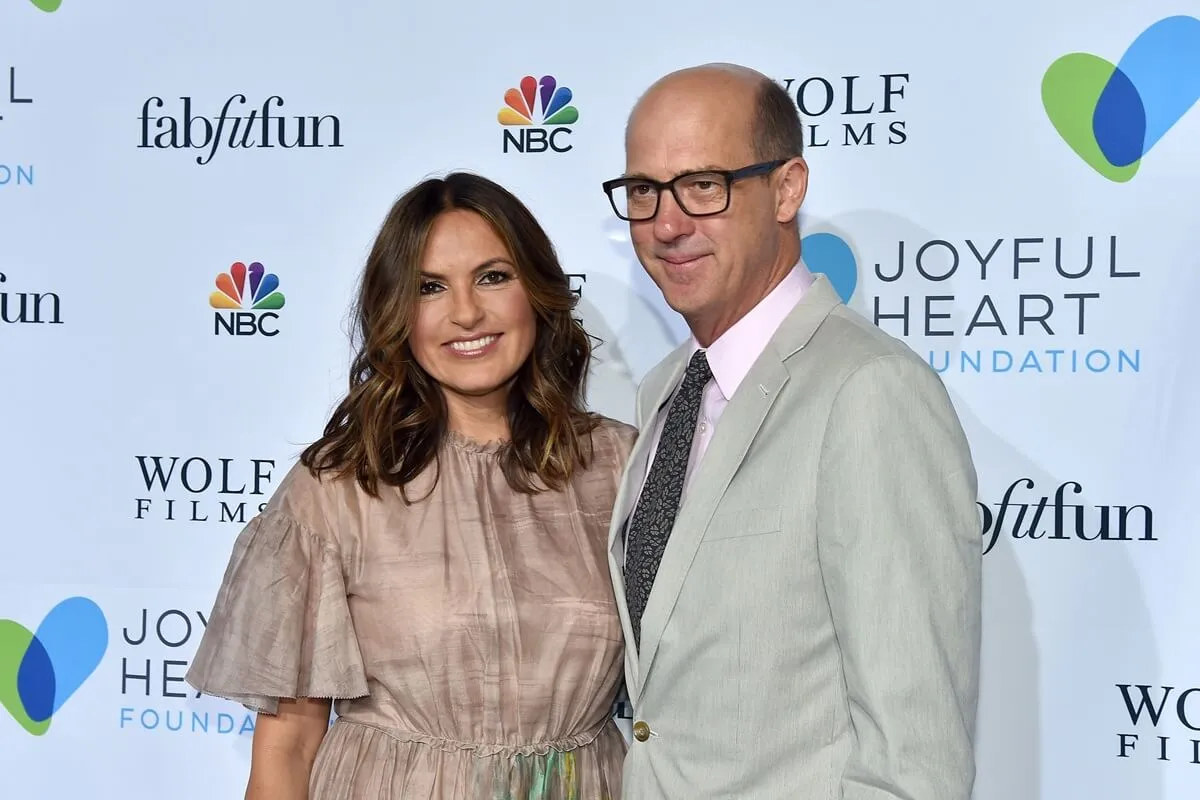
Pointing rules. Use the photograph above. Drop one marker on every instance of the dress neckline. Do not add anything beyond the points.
(460, 442)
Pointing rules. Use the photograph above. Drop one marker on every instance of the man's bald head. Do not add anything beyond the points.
(772, 122)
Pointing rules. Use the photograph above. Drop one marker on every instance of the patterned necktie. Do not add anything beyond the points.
(650, 526)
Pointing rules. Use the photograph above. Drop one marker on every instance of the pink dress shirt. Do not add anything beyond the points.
(730, 358)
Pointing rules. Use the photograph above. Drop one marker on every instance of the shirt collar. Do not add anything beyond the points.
(731, 356)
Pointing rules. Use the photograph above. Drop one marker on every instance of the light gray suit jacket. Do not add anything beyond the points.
(814, 629)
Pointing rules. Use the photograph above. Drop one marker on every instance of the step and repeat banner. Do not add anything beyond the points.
(1010, 189)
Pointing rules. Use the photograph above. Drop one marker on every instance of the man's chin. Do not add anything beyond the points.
(688, 304)
(684, 272)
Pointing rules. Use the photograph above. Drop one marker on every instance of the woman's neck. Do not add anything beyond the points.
(483, 419)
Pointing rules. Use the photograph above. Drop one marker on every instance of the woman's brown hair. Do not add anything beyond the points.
(389, 426)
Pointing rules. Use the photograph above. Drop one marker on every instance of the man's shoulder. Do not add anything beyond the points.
(661, 372)
(860, 366)
(848, 342)
(861, 340)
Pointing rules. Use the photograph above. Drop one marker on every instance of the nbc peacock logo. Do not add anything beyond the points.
(246, 313)
(544, 101)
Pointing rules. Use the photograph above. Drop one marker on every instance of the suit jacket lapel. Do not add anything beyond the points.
(635, 470)
(627, 493)
(735, 432)
(732, 438)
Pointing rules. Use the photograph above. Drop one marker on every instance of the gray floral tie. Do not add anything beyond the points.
(652, 520)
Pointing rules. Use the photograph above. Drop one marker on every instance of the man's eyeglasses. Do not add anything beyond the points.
(699, 194)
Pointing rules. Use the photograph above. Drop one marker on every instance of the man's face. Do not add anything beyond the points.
(710, 269)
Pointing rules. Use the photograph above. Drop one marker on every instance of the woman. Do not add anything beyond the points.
(437, 562)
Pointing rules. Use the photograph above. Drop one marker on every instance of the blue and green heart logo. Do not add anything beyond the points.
(831, 256)
(40, 670)
(1113, 115)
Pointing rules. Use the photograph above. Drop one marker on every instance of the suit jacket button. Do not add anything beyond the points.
(641, 731)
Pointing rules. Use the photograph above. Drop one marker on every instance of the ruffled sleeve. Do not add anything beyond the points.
(280, 626)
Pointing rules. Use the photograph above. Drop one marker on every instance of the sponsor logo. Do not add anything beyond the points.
(197, 489)
(850, 110)
(831, 256)
(153, 688)
(1021, 305)
(28, 308)
(41, 669)
(1023, 515)
(16, 104)
(1112, 115)
(1167, 721)
(242, 313)
(544, 101)
(237, 126)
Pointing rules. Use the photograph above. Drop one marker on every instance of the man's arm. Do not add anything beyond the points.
(899, 547)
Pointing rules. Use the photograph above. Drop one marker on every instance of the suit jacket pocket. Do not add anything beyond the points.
(737, 523)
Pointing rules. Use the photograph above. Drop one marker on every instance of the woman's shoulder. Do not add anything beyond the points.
(617, 436)
(312, 498)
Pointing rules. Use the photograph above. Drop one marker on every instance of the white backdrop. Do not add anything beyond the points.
(138, 433)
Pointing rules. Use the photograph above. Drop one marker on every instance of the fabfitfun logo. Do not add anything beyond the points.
(1113, 115)
(242, 314)
(555, 115)
(257, 129)
(28, 308)
(40, 670)
(1023, 517)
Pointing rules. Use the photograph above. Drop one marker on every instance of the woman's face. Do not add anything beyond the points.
(474, 324)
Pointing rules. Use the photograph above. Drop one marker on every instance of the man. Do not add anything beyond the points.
(795, 547)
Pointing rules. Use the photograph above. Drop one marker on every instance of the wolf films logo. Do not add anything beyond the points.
(257, 129)
(1164, 723)
(239, 313)
(199, 489)
(850, 110)
(1113, 115)
(550, 104)
(40, 670)
(1021, 305)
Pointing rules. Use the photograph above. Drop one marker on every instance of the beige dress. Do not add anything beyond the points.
(471, 641)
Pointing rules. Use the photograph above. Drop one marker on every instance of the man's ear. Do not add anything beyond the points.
(793, 186)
